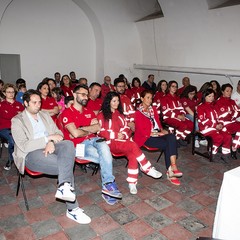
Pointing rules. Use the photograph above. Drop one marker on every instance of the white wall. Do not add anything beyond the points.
(190, 35)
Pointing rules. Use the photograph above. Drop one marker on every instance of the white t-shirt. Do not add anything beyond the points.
(236, 97)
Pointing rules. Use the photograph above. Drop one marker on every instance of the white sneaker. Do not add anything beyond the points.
(66, 192)
(203, 142)
(78, 216)
(154, 173)
(133, 188)
(197, 144)
(6, 145)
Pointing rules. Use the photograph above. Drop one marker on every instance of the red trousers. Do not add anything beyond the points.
(220, 138)
(134, 155)
(234, 128)
(183, 128)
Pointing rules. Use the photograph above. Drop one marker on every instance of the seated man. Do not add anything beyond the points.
(40, 147)
(80, 125)
(94, 102)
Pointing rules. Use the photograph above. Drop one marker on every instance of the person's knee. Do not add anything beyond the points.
(68, 146)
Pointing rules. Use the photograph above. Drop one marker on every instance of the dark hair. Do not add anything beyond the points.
(51, 79)
(20, 81)
(20, 86)
(27, 95)
(106, 108)
(218, 90)
(145, 92)
(41, 84)
(206, 93)
(159, 89)
(187, 90)
(136, 79)
(170, 84)
(94, 84)
(205, 86)
(118, 80)
(65, 75)
(224, 86)
(150, 75)
(59, 92)
(1, 82)
(68, 99)
(80, 86)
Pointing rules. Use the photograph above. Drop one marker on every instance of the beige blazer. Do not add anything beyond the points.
(22, 133)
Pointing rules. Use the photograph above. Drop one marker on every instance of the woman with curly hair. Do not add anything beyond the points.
(115, 130)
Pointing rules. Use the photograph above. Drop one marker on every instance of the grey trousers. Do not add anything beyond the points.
(60, 163)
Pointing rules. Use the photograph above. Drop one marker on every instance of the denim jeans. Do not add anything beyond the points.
(190, 117)
(99, 152)
(6, 134)
(60, 163)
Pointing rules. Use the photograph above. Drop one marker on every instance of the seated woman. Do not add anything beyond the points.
(174, 114)
(228, 112)
(209, 125)
(149, 132)
(8, 109)
(162, 88)
(49, 104)
(67, 86)
(57, 94)
(118, 135)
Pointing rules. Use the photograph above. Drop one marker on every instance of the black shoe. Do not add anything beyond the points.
(8, 165)
(226, 158)
(234, 155)
(216, 158)
(182, 142)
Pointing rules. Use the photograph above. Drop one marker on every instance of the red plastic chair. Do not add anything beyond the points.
(152, 149)
(20, 182)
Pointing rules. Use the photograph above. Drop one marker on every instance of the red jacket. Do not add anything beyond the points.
(105, 89)
(68, 91)
(8, 111)
(128, 109)
(171, 106)
(227, 110)
(143, 127)
(111, 128)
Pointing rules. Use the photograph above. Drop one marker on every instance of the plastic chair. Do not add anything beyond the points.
(152, 149)
(84, 163)
(20, 182)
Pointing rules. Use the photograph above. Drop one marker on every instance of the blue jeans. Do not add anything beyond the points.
(60, 163)
(99, 152)
(190, 117)
(6, 134)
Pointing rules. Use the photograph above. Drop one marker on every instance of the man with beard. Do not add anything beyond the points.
(80, 126)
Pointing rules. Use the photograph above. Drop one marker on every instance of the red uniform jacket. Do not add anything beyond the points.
(105, 89)
(143, 127)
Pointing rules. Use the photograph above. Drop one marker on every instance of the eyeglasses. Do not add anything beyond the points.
(83, 94)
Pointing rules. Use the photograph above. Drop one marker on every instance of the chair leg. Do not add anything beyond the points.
(20, 182)
(160, 156)
(95, 169)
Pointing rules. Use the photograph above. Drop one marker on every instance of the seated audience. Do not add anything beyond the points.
(203, 88)
(216, 88)
(94, 102)
(118, 136)
(80, 126)
(8, 109)
(149, 132)
(21, 90)
(228, 112)
(73, 78)
(185, 83)
(57, 78)
(52, 84)
(58, 95)
(41, 148)
(236, 97)
(67, 86)
(150, 84)
(49, 104)
(83, 81)
(1, 89)
(106, 87)
(161, 92)
(174, 114)
(209, 125)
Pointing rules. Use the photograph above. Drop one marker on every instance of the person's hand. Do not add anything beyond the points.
(94, 121)
(132, 126)
(55, 137)
(181, 117)
(120, 136)
(49, 149)
(163, 132)
(219, 126)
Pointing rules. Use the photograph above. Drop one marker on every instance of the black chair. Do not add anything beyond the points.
(208, 153)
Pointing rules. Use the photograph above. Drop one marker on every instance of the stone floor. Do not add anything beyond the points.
(160, 210)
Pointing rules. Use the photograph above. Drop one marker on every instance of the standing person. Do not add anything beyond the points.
(228, 112)
(118, 135)
(174, 114)
(149, 132)
(106, 86)
(41, 148)
(67, 86)
(150, 84)
(185, 83)
(94, 102)
(49, 104)
(209, 125)
(80, 126)
(8, 109)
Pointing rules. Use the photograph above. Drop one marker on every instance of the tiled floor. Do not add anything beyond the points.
(160, 210)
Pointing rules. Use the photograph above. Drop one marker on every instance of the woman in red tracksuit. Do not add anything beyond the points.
(228, 112)
(149, 132)
(174, 114)
(162, 88)
(115, 130)
(209, 125)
